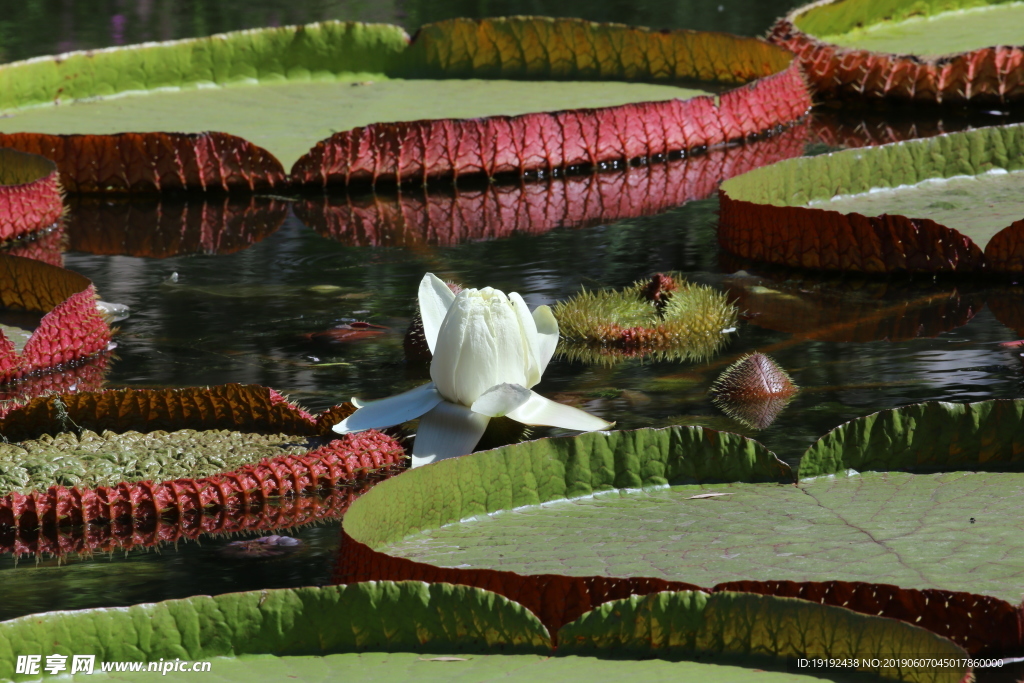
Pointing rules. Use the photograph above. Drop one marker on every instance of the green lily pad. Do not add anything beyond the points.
(286, 118)
(336, 78)
(949, 52)
(387, 631)
(941, 204)
(922, 28)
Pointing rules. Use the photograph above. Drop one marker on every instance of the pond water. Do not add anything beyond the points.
(853, 345)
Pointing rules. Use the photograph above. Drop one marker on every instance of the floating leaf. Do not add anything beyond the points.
(71, 330)
(29, 193)
(665, 318)
(782, 213)
(945, 54)
(304, 64)
(914, 530)
(300, 622)
(415, 216)
(244, 408)
(169, 226)
(761, 630)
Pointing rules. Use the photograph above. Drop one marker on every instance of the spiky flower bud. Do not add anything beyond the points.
(753, 390)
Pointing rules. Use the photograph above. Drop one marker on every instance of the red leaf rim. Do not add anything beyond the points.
(72, 329)
(154, 162)
(354, 457)
(129, 533)
(987, 76)
(30, 193)
(501, 145)
(416, 217)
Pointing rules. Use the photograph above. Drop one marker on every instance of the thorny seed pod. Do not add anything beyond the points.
(753, 390)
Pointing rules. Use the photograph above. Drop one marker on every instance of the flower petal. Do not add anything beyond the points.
(547, 335)
(435, 298)
(391, 411)
(447, 431)
(501, 399)
(545, 412)
(528, 338)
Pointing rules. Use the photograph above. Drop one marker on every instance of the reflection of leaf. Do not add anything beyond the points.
(772, 214)
(153, 162)
(29, 193)
(417, 216)
(72, 329)
(87, 375)
(44, 245)
(169, 226)
(846, 311)
(984, 75)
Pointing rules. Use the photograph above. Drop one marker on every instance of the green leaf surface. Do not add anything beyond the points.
(287, 118)
(893, 527)
(388, 616)
(545, 470)
(933, 436)
(400, 667)
(921, 27)
(757, 630)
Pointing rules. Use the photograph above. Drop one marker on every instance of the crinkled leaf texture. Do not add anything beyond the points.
(515, 48)
(764, 216)
(233, 406)
(824, 539)
(72, 329)
(986, 76)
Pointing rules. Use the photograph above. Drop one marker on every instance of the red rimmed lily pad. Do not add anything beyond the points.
(949, 53)
(30, 193)
(942, 204)
(412, 217)
(160, 227)
(302, 70)
(248, 409)
(71, 329)
(129, 533)
(577, 509)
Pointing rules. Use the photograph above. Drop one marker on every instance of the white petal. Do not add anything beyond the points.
(545, 412)
(391, 411)
(501, 399)
(435, 298)
(547, 335)
(447, 431)
(529, 339)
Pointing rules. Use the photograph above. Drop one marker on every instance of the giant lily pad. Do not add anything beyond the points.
(946, 52)
(320, 78)
(395, 627)
(29, 193)
(410, 217)
(624, 506)
(946, 203)
(235, 407)
(71, 329)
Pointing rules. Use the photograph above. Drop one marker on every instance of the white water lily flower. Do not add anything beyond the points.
(488, 351)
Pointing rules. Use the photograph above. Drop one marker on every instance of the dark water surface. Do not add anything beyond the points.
(855, 346)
